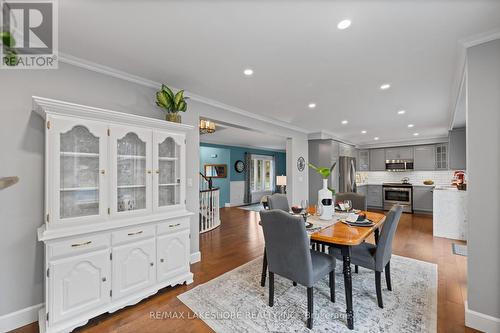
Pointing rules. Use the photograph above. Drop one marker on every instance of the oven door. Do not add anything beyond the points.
(398, 195)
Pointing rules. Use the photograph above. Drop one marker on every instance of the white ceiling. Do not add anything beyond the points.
(297, 53)
(239, 137)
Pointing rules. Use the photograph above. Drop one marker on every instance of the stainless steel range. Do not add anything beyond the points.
(398, 193)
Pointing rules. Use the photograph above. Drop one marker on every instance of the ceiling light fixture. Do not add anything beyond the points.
(416, 134)
(344, 24)
(375, 138)
(411, 125)
(401, 112)
(363, 132)
(248, 72)
(385, 86)
(312, 105)
(206, 126)
(345, 122)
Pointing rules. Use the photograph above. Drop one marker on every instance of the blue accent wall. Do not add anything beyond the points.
(229, 155)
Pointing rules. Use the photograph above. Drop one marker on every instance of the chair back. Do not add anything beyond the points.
(278, 201)
(384, 246)
(287, 246)
(358, 200)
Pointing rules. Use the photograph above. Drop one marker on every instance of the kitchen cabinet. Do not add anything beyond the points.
(442, 156)
(362, 189)
(374, 196)
(377, 159)
(114, 199)
(425, 158)
(347, 150)
(422, 198)
(457, 149)
(363, 160)
(399, 153)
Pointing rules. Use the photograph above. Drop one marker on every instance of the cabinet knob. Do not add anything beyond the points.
(162, 260)
(149, 172)
(158, 171)
(103, 172)
(104, 279)
(151, 264)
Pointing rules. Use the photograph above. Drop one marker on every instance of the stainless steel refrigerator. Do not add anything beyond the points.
(347, 174)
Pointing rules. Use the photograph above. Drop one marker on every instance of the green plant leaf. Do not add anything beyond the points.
(333, 167)
(163, 100)
(168, 91)
(182, 106)
(179, 97)
(7, 39)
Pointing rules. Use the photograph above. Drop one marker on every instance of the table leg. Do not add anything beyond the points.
(264, 270)
(346, 254)
(376, 233)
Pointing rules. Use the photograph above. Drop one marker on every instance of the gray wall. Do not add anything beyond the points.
(483, 138)
(22, 143)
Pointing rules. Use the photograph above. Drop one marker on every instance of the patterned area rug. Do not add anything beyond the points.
(235, 301)
(254, 208)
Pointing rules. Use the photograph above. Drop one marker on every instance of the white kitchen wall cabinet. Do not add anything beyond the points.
(116, 226)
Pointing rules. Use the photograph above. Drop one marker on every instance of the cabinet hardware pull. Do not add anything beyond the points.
(149, 172)
(174, 225)
(162, 260)
(103, 172)
(81, 244)
(135, 233)
(104, 279)
(158, 171)
(151, 264)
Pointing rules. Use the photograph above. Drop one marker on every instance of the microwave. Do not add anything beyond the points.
(398, 165)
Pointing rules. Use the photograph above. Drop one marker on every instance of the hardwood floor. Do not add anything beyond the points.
(239, 239)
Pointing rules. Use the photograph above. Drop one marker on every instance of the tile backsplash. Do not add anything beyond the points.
(416, 177)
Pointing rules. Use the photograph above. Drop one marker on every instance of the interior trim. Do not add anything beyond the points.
(19, 318)
(481, 321)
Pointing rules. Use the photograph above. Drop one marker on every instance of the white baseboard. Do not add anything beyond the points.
(195, 257)
(481, 321)
(19, 318)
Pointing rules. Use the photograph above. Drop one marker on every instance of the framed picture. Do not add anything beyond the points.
(215, 170)
(301, 163)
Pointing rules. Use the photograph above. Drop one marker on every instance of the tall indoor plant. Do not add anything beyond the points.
(172, 103)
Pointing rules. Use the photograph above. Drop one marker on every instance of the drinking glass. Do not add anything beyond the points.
(347, 205)
(304, 204)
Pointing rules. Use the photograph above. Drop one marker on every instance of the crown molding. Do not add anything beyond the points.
(397, 143)
(327, 135)
(481, 38)
(220, 143)
(92, 66)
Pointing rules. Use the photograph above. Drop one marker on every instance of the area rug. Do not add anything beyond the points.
(254, 208)
(459, 249)
(235, 301)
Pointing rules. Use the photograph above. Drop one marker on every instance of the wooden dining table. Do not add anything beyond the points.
(344, 237)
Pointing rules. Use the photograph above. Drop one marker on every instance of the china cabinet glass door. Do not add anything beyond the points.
(168, 155)
(131, 159)
(78, 178)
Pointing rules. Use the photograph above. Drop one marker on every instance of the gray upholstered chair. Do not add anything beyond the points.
(377, 257)
(358, 200)
(289, 255)
(278, 201)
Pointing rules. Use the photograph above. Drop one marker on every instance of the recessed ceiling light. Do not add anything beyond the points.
(401, 112)
(375, 138)
(416, 134)
(385, 86)
(344, 24)
(312, 105)
(363, 132)
(410, 125)
(248, 72)
(344, 122)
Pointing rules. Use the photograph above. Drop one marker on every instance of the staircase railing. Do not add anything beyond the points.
(209, 205)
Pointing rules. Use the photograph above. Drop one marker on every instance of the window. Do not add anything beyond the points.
(262, 179)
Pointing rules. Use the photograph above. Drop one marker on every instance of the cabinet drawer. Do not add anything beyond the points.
(132, 234)
(77, 245)
(173, 225)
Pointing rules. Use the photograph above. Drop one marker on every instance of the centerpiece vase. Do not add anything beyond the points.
(325, 202)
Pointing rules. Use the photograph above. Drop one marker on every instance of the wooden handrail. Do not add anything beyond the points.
(210, 190)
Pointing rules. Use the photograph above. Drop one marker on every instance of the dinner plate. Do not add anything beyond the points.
(365, 223)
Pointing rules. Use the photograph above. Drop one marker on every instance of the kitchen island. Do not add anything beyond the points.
(450, 212)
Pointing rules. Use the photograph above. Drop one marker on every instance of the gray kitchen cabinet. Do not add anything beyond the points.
(425, 158)
(362, 189)
(399, 153)
(347, 150)
(374, 196)
(363, 160)
(457, 149)
(377, 159)
(422, 198)
(442, 156)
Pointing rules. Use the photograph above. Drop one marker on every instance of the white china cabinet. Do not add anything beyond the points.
(116, 228)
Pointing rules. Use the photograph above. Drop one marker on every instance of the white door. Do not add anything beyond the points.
(173, 255)
(169, 170)
(133, 267)
(78, 179)
(78, 285)
(131, 179)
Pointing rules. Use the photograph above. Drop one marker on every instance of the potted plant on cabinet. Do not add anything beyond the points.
(172, 103)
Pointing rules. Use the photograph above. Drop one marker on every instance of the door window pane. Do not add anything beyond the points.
(131, 173)
(79, 173)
